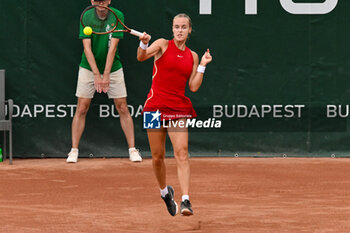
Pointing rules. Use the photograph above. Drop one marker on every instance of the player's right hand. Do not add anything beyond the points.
(145, 38)
(98, 83)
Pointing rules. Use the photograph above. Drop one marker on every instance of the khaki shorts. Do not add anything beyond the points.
(86, 87)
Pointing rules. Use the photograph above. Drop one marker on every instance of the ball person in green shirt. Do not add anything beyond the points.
(101, 70)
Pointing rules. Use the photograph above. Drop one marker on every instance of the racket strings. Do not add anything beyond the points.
(99, 21)
(104, 23)
(102, 14)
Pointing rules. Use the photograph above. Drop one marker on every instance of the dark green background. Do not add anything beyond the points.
(270, 58)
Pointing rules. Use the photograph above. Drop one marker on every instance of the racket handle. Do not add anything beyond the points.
(136, 33)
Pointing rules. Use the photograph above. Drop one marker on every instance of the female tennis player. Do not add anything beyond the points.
(174, 65)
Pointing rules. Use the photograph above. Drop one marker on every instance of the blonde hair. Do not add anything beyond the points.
(183, 15)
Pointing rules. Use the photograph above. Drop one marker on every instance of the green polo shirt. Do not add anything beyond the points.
(100, 44)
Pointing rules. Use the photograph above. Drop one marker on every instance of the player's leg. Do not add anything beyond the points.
(85, 92)
(117, 92)
(179, 140)
(156, 139)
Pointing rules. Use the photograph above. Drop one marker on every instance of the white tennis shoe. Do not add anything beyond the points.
(134, 155)
(73, 156)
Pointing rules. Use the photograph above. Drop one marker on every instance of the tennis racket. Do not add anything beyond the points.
(103, 20)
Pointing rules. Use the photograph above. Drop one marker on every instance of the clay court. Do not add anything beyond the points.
(228, 195)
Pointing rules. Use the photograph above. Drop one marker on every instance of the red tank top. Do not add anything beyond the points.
(170, 75)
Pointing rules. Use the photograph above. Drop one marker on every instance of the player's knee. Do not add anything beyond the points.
(158, 158)
(181, 154)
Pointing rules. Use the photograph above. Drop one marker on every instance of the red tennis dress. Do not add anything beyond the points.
(170, 75)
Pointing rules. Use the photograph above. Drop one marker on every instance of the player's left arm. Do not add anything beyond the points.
(196, 77)
(109, 62)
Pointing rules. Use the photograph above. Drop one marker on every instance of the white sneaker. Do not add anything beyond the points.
(72, 156)
(134, 155)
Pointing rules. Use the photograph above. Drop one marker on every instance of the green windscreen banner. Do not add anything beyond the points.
(278, 85)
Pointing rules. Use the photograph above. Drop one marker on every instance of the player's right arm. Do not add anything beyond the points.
(156, 49)
(92, 62)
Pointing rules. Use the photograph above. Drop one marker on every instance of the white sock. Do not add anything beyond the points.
(185, 197)
(164, 191)
(74, 150)
(131, 149)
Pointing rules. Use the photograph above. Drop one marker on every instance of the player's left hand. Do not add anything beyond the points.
(206, 58)
(105, 82)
